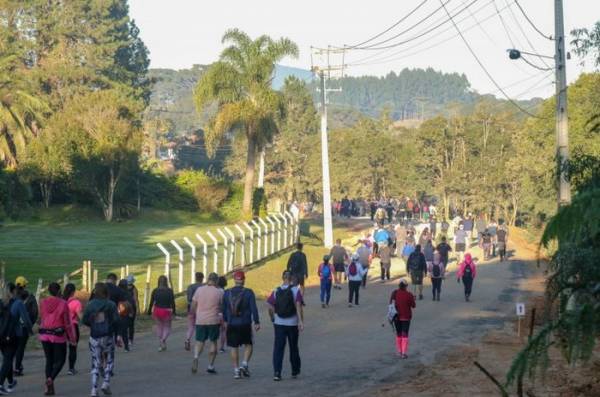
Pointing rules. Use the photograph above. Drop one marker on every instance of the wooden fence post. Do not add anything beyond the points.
(147, 287)
(95, 277)
(127, 271)
(38, 291)
(65, 279)
(84, 277)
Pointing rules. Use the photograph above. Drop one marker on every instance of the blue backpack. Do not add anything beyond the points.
(325, 271)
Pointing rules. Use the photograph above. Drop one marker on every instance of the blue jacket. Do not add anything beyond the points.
(249, 310)
(18, 312)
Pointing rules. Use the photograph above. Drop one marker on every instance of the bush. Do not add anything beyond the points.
(231, 210)
(15, 196)
(259, 202)
(208, 191)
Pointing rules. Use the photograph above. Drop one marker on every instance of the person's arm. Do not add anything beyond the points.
(71, 337)
(254, 310)
(271, 306)
(225, 307)
(136, 299)
(305, 264)
(172, 297)
(152, 299)
(289, 262)
(300, 311)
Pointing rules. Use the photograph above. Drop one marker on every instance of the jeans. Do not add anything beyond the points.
(325, 290)
(468, 283)
(353, 290)
(56, 355)
(8, 356)
(101, 348)
(20, 353)
(123, 330)
(436, 283)
(385, 271)
(283, 334)
(131, 328)
(73, 349)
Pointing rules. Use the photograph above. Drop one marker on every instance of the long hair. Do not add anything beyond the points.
(68, 291)
(163, 282)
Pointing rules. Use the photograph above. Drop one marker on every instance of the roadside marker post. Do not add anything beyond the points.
(520, 307)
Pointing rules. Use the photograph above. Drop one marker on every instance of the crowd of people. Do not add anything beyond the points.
(219, 317)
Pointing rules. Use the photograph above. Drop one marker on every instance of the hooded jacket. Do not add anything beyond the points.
(54, 315)
(468, 261)
(96, 306)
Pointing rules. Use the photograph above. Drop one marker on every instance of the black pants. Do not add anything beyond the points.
(20, 353)
(131, 328)
(123, 329)
(73, 349)
(286, 334)
(468, 283)
(8, 356)
(56, 355)
(353, 290)
(436, 284)
(402, 327)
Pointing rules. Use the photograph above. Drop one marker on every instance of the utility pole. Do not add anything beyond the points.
(562, 122)
(327, 222)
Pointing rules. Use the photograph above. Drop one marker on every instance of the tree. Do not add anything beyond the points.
(240, 86)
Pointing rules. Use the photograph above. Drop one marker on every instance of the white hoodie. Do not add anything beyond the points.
(360, 272)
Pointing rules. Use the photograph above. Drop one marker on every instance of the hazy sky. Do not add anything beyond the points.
(180, 33)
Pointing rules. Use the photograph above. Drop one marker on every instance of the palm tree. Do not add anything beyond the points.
(240, 86)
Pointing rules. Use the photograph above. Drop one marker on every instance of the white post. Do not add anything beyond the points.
(204, 254)
(327, 222)
(251, 250)
(122, 272)
(278, 221)
(180, 265)
(272, 234)
(215, 253)
(126, 270)
(193, 261)
(167, 258)
(285, 229)
(243, 245)
(266, 234)
(292, 232)
(225, 249)
(232, 250)
(258, 240)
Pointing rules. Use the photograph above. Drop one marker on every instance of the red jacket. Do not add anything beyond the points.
(54, 313)
(405, 302)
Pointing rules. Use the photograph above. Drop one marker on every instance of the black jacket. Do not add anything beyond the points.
(297, 264)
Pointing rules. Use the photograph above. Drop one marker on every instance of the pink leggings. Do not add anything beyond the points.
(191, 325)
(163, 329)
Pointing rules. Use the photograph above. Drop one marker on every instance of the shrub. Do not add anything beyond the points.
(209, 192)
(231, 210)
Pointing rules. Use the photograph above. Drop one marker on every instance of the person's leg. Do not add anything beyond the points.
(73, 350)
(293, 336)
(322, 291)
(20, 353)
(131, 329)
(96, 355)
(212, 353)
(327, 292)
(356, 293)
(123, 324)
(248, 350)
(350, 292)
(60, 356)
(235, 357)
(5, 364)
(382, 267)
(159, 330)
(278, 348)
(49, 354)
(166, 331)
(109, 348)
(191, 327)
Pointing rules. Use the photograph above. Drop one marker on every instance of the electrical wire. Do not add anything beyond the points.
(484, 68)
(533, 65)
(390, 28)
(531, 22)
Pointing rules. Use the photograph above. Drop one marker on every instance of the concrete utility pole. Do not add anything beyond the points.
(562, 123)
(327, 222)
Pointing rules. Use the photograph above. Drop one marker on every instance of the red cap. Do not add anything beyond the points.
(239, 275)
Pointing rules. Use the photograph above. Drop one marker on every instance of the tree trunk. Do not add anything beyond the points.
(249, 181)
(46, 190)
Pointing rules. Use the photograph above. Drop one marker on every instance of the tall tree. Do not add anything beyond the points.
(239, 84)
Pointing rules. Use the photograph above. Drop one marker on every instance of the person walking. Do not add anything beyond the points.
(16, 325)
(56, 329)
(101, 316)
(32, 308)
(409, 245)
(325, 272)
(460, 242)
(240, 313)
(287, 316)
(502, 239)
(437, 271)
(467, 272)
(385, 261)
(221, 284)
(416, 266)
(207, 303)
(339, 257)
(365, 255)
(444, 250)
(486, 244)
(403, 302)
(125, 310)
(75, 313)
(298, 266)
(162, 309)
(133, 291)
(428, 250)
(355, 273)
(191, 315)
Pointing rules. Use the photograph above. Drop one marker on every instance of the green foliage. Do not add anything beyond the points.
(209, 192)
(587, 42)
(259, 203)
(231, 209)
(14, 195)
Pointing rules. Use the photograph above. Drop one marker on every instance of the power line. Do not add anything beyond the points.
(533, 65)
(531, 22)
(483, 66)
(390, 28)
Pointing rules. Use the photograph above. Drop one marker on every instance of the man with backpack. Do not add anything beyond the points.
(436, 270)
(31, 306)
(285, 310)
(444, 249)
(239, 312)
(355, 272)
(416, 266)
(298, 266)
(101, 316)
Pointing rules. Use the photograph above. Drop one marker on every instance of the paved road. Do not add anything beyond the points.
(344, 350)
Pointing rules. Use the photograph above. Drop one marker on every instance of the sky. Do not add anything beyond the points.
(181, 33)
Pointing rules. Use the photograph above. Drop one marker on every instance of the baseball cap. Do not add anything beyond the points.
(21, 281)
(403, 282)
(239, 275)
(326, 258)
(130, 279)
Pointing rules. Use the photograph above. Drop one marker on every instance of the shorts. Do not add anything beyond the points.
(210, 332)
(239, 335)
(339, 267)
(299, 279)
(460, 247)
(416, 278)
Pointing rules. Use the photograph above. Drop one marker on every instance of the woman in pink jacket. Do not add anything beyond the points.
(467, 272)
(56, 329)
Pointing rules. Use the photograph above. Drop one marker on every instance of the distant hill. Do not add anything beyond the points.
(283, 72)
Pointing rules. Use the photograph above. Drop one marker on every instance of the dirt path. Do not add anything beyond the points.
(344, 351)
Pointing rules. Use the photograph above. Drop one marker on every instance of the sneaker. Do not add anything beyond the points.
(18, 372)
(72, 371)
(49, 387)
(322, 306)
(3, 391)
(349, 304)
(187, 345)
(237, 374)
(94, 393)
(295, 375)
(277, 377)
(420, 297)
(106, 390)
(211, 370)
(221, 350)
(11, 386)
(195, 366)
(245, 371)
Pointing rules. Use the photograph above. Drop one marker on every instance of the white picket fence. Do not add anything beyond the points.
(223, 249)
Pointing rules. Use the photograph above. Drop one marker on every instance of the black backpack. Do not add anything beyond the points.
(32, 308)
(437, 270)
(413, 262)
(7, 324)
(468, 271)
(99, 325)
(285, 305)
(236, 303)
